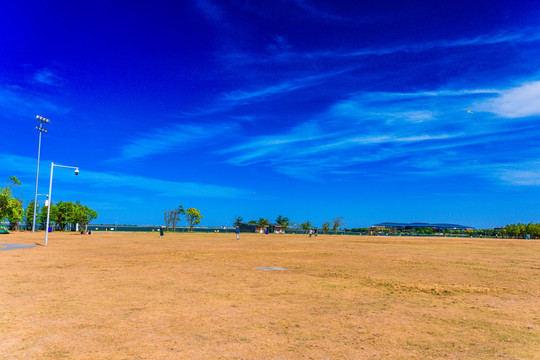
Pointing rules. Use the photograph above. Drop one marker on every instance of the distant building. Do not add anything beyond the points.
(411, 226)
(261, 229)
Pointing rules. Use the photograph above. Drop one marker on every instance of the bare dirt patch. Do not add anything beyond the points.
(194, 296)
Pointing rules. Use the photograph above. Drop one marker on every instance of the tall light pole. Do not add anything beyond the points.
(41, 130)
(50, 199)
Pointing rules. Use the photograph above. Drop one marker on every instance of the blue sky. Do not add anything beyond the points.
(374, 111)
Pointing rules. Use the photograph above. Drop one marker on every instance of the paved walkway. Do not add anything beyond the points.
(4, 247)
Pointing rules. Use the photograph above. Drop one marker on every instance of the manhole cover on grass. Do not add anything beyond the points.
(269, 268)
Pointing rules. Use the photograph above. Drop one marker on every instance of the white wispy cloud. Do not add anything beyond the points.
(318, 14)
(174, 137)
(272, 146)
(47, 77)
(485, 39)
(179, 136)
(233, 99)
(17, 101)
(210, 9)
(424, 132)
(520, 101)
(261, 93)
(161, 187)
(528, 175)
(281, 88)
(291, 56)
(108, 182)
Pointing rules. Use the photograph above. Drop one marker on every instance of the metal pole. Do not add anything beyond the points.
(49, 207)
(37, 178)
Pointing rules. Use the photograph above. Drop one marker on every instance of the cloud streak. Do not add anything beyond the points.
(173, 138)
(163, 188)
(14, 100)
(291, 56)
(210, 10)
(517, 102)
(47, 77)
(111, 182)
(280, 89)
(406, 132)
(528, 175)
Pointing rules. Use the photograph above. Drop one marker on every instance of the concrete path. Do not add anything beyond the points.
(4, 247)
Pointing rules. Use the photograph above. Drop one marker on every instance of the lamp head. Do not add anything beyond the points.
(77, 171)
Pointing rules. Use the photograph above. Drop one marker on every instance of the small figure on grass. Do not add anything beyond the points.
(161, 232)
(237, 232)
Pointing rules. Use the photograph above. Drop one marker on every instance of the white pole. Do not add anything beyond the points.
(49, 207)
(37, 178)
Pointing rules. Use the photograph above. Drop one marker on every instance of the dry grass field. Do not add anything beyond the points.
(201, 296)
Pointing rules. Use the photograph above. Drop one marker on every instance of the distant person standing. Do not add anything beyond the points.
(316, 232)
(237, 232)
(161, 232)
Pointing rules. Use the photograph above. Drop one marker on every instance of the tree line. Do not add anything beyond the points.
(333, 224)
(172, 217)
(11, 208)
(518, 231)
(63, 214)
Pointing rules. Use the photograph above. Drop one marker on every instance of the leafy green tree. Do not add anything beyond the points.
(83, 215)
(326, 227)
(283, 221)
(64, 214)
(237, 220)
(520, 230)
(15, 214)
(29, 213)
(42, 216)
(359, 230)
(337, 222)
(8, 205)
(306, 225)
(514, 230)
(253, 222)
(532, 230)
(263, 222)
(424, 231)
(193, 217)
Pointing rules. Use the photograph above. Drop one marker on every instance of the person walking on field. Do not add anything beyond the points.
(237, 232)
(161, 232)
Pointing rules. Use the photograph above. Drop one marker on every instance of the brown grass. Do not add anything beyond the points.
(199, 296)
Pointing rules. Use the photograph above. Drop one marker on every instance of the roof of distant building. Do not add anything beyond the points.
(419, 224)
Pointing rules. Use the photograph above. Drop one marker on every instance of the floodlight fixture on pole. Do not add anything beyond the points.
(41, 129)
(50, 199)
